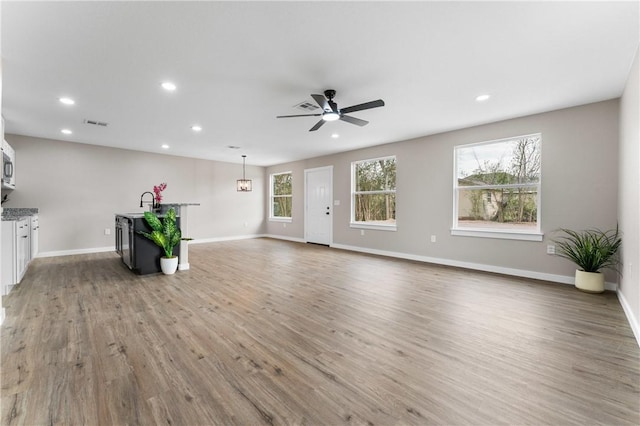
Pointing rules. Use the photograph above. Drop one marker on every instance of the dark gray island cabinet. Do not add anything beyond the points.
(138, 253)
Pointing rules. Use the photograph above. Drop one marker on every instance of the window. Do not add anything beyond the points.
(497, 189)
(373, 193)
(281, 196)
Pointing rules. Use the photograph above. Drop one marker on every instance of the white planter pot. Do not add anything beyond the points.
(591, 282)
(169, 265)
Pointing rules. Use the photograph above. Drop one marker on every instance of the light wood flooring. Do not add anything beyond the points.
(272, 332)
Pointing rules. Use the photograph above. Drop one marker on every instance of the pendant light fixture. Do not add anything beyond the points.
(244, 185)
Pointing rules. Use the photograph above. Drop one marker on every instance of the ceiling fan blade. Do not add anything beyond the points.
(353, 120)
(322, 101)
(299, 115)
(360, 107)
(317, 126)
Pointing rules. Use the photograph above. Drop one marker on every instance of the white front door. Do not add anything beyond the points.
(318, 191)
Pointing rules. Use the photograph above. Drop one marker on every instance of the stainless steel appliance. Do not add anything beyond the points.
(124, 238)
(8, 166)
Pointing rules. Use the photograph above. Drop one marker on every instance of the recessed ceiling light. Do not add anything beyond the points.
(196, 128)
(67, 101)
(482, 98)
(165, 146)
(66, 131)
(335, 135)
(169, 86)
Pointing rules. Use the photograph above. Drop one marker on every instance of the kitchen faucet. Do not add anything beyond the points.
(153, 199)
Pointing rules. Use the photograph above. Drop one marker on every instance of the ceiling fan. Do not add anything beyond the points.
(331, 112)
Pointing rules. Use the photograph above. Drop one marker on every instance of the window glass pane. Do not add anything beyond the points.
(376, 175)
(500, 208)
(376, 208)
(282, 184)
(515, 161)
(281, 206)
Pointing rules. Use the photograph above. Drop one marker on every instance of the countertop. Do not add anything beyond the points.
(131, 215)
(10, 213)
(138, 215)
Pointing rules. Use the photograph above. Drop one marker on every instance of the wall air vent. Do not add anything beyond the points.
(96, 123)
(306, 106)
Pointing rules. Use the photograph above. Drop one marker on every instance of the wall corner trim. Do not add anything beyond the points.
(633, 321)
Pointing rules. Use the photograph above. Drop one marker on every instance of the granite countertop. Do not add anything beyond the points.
(10, 213)
(137, 215)
(131, 215)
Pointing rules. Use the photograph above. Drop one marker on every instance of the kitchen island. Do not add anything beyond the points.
(138, 253)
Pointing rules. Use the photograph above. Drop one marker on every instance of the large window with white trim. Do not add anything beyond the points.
(497, 188)
(373, 193)
(281, 196)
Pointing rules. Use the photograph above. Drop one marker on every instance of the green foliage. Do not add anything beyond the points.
(591, 249)
(375, 187)
(165, 233)
(282, 206)
(282, 184)
(519, 164)
(282, 195)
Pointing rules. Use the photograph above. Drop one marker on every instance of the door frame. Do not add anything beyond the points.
(306, 202)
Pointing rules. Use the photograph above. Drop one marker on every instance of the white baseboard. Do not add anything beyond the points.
(283, 237)
(633, 321)
(563, 279)
(113, 248)
(219, 239)
(75, 251)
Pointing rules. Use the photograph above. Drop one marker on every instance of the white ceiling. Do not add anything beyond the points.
(239, 64)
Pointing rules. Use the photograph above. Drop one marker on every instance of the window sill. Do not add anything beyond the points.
(503, 235)
(359, 225)
(280, 219)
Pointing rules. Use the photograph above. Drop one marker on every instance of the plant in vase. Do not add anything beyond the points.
(591, 250)
(157, 190)
(166, 234)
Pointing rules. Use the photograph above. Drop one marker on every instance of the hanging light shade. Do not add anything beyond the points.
(244, 185)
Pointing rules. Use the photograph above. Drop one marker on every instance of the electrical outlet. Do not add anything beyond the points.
(284, 225)
(551, 249)
(433, 238)
(362, 232)
(107, 231)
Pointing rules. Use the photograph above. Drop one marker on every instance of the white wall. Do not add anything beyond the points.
(579, 190)
(629, 199)
(78, 189)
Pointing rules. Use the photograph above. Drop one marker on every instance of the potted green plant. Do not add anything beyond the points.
(591, 250)
(166, 234)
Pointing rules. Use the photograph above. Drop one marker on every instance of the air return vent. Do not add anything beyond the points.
(306, 106)
(96, 123)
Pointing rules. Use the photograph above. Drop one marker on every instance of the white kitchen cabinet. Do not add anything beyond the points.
(16, 251)
(33, 238)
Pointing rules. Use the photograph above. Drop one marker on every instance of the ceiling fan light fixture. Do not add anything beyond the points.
(330, 116)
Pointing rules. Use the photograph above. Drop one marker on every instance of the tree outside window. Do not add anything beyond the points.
(374, 192)
(497, 185)
(281, 195)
